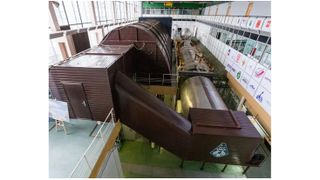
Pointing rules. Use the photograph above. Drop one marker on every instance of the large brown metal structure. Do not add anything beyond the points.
(85, 81)
(152, 42)
(98, 79)
(190, 140)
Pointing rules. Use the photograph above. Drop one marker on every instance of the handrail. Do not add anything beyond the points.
(99, 133)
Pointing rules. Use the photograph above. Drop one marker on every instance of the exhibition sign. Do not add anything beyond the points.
(58, 110)
(252, 76)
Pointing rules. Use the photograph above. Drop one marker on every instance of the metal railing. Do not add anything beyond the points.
(153, 78)
(87, 161)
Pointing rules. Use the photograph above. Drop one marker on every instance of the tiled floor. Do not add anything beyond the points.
(66, 150)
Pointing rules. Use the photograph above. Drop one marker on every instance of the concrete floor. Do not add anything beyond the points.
(66, 150)
(138, 159)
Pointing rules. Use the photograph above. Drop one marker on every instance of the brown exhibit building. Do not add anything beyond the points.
(100, 78)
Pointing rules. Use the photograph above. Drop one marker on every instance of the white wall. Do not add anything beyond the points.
(261, 8)
(239, 8)
(223, 9)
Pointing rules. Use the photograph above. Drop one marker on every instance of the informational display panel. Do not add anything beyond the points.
(251, 22)
(266, 25)
(266, 81)
(258, 24)
(244, 22)
(252, 76)
(58, 110)
(263, 97)
(252, 87)
(259, 73)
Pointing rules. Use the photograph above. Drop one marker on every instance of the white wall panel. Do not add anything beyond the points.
(238, 8)
(223, 9)
(261, 8)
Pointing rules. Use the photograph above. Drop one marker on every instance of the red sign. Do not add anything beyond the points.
(268, 24)
(258, 23)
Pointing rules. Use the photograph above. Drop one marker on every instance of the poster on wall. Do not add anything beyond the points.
(252, 87)
(266, 25)
(244, 22)
(259, 73)
(263, 97)
(239, 20)
(237, 58)
(251, 65)
(243, 62)
(234, 21)
(258, 23)
(245, 78)
(251, 22)
(238, 74)
(266, 81)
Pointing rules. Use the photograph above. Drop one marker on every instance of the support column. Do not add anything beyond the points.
(92, 13)
(249, 9)
(70, 46)
(63, 50)
(229, 9)
(54, 25)
(241, 103)
(217, 10)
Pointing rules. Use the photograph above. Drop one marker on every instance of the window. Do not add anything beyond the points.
(266, 58)
(259, 50)
(61, 15)
(241, 41)
(229, 38)
(234, 41)
(224, 36)
(218, 35)
(72, 14)
(249, 47)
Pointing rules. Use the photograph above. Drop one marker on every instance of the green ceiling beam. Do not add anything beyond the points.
(180, 5)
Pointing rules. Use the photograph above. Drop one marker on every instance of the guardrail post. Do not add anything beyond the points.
(85, 157)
